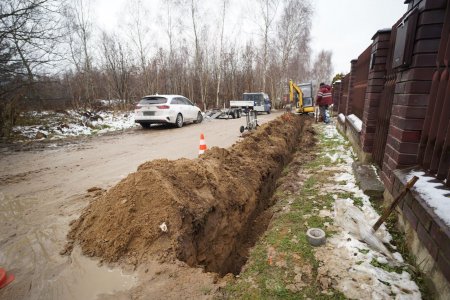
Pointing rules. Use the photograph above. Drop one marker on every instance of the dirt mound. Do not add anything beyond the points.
(207, 205)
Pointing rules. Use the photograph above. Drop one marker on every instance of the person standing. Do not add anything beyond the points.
(324, 99)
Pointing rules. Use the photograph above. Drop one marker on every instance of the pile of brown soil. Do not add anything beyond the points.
(208, 204)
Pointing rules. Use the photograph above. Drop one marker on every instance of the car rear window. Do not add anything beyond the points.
(153, 100)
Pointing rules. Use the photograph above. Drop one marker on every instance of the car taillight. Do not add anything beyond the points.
(163, 106)
(138, 107)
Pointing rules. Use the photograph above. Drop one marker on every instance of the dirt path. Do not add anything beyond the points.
(42, 191)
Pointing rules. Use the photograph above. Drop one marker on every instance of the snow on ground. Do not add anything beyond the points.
(433, 192)
(58, 125)
(354, 256)
(357, 123)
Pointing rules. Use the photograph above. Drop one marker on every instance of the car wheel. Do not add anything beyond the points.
(179, 121)
(199, 118)
(145, 125)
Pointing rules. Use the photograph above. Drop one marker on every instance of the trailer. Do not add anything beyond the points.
(227, 113)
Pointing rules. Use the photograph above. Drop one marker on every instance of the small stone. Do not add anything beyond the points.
(40, 135)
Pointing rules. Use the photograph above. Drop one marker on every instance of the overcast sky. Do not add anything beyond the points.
(343, 26)
(347, 26)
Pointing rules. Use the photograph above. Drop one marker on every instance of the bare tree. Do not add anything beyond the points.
(139, 34)
(32, 27)
(220, 60)
(268, 10)
(29, 35)
(117, 66)
(198, 58)
(322, 70)
(293, 33)
(78, 16)
(248, 67)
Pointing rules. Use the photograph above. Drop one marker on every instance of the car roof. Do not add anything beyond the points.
(165, 96)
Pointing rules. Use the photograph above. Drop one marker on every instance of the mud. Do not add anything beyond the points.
(209, 205)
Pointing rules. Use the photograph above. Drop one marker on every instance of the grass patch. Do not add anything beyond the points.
(363, 251)
(386, 267)
(358, 201)
(398, 240)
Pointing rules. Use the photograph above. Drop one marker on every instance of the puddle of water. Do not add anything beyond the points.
(84, 279)
(31, 236)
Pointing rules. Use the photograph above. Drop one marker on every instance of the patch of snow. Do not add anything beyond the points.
(347, 256)
(355, 121)
(333, 157)
(375, 170)
(111, 102)
(325, 213)
(398, 257)
(341, 117)
(348, 261)
(329, 132)
(382, 260)
(435, 194)
(72, 123)
(359, 223)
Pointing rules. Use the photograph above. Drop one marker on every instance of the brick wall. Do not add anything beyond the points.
(431, 231)
(375, 86)
(361, 75)
(337, 94)
(351, 82)
(344, 95)
(412, 87)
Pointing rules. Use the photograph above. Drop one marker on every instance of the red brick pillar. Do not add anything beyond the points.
(413, 87)
(375, 85)
(351, 81)
(337, 92)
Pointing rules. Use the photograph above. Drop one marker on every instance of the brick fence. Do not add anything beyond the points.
(404, 105)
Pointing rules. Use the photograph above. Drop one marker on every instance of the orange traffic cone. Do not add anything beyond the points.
(5, 279)
(202, 147)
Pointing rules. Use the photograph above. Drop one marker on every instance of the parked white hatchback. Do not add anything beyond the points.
(166, 109)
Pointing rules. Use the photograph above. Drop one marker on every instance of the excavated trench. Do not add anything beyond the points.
(214, 207)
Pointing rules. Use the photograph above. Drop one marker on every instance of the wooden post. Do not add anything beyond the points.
(389, 210)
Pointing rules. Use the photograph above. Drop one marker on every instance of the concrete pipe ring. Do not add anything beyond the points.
(316, 236)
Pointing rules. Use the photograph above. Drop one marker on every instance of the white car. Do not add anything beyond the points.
(166, 109)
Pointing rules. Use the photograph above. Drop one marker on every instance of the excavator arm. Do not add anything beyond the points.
(296, 97)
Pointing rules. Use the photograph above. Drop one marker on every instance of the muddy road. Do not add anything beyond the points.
(42, 191)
